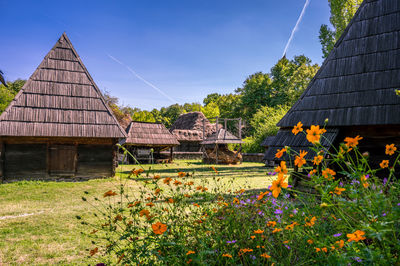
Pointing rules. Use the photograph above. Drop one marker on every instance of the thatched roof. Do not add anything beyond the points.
(221, 137)
(60, 99)
(149, 134)
(189, 127)
(356, 85)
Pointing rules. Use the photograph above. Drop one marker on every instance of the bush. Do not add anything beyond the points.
(354, 219)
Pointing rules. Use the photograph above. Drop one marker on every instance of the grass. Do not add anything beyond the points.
(52, 235)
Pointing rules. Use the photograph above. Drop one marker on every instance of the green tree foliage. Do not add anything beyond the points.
(192, 107)
(8, 93)
(264, 123)
(342, 11)
(143, 116)
(211, 110)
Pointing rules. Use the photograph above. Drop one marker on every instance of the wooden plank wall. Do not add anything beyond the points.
(95, 161)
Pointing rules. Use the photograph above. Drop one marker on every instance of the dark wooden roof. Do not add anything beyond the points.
(221, 137)
(189, 127)
(356, 83)
(149, 134)
(267, 141)
(296, 143)
(60, 99)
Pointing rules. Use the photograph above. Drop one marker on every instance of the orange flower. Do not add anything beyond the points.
(150, 204)
(279, 153)
(282, 168)
(236, 201)
(299, 160)
(390, 149)
(94, 251)
(144, 212)
(271, 224)
(317, 159)
(170, 200)
(276, 230)
(189, 183)
(310, 222)
(199, 188)
(259, 231)
(94, 231)
(277, 185)
(339, 190)
(312, 172)
(384, 164)
(227, 255)
(159, 228)
(297, 128)
(187, 196)
(328, 173)
(190, 252)
(265, 255)
(157, 191)
(156, 177)
(252, 237)
(356, 236)
(352, 142)
(167, 180)
(262, 194)
(109, 193)
(177, 183)
(240, 191)
(340, 243)
(118, 218)
(310, 241)
(314, 134)
(317, 250)
(285, 242)
(181, 174)
(215, 170)
(291, 226)
(196, 205)
(324, 250)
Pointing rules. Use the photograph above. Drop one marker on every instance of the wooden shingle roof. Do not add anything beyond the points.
(149, 134)
(356, 84)
(60, 99)
(222, 137)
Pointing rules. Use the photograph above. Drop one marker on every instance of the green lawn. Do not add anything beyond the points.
(52, 234)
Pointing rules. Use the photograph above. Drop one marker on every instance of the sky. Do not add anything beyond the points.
(154, 53)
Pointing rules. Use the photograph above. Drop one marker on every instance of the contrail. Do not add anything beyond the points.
(295, 27)
(142, 79)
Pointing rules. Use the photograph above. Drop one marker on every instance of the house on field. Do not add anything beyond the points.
(355, 88)
(189, 129)
(58, 125)
(145, 141)
(216, 150)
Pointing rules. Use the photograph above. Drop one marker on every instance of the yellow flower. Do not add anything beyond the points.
(314, 134)
(356, 236)
(297, 128)
(281, 168)
(317, 159)
(390, 149)
(384, 164)
(280, 153)
(277, 185)
(299, 160)
(159, 228)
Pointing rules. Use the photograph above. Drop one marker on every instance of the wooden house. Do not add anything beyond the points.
(355, 88)
(58, 125)
(146, 140)
(189, 129)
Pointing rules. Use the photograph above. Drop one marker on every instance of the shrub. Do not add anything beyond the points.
(177, 220)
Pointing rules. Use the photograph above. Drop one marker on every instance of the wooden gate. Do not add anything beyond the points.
(62, 160)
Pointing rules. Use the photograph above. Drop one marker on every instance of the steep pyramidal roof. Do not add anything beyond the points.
(60, 99)
(149, 134)
(356, 83)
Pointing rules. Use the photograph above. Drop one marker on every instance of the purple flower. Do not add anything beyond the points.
(261, 213)
(271, 173)
(385, 181)
(337, 235)
(398, 204)
(287, 246)
(294, 211)
(252, 257)
(357, 259)
(384, 214)
(278, 211)
(231, 242)
(289, 186)
(341, 184)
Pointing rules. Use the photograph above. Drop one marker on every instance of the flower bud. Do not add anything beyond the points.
(326, 121)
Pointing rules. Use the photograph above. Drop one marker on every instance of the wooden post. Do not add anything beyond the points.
(171, 155)
(216, 124)
(2, 156)
(240, 128)
(204, 137)
(216, 153)
(225, 123)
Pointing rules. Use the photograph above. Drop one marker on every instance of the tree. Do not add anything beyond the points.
(213, 97)
(8, 93)
(192, 107)
(211, 110)
(342, 11)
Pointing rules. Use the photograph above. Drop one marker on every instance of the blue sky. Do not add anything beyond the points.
(186, 48)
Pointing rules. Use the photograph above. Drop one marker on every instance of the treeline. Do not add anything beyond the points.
(261, 102)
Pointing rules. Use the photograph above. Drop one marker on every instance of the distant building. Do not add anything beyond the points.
(58, 125)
